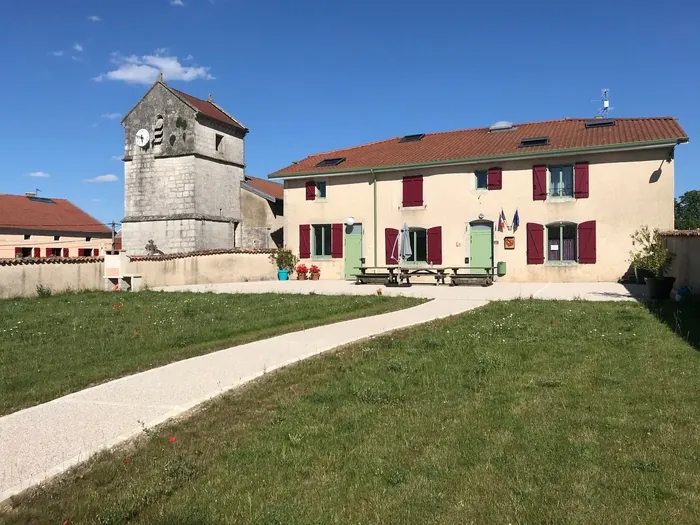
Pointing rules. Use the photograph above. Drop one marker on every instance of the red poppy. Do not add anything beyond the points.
(127, 460)
(172, 439)
(65, 522)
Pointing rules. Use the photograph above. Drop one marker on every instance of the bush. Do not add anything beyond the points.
(650, 253)
(284, 259)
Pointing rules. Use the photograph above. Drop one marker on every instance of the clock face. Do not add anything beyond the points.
(142, 137)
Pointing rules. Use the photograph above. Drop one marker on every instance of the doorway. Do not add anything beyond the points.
(353, 250)
(480, 245)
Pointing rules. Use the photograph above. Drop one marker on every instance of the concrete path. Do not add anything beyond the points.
(47, 439)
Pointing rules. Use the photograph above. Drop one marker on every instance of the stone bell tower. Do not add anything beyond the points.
(183, 167)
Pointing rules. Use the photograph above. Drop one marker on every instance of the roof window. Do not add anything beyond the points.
(330, 162)
(534, 141)
(600, 123)
(412, 138)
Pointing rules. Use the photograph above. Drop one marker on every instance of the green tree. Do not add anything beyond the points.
(688, 210)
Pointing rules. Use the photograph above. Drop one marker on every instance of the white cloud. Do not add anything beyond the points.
(39, 174)
(57, 53)
(94, 18)
(78, 47)
(103, 178)
(144, 69)
(181, 3)
(111, 116)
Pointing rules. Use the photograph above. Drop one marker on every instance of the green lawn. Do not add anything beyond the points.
(521, 412)
(55, 345)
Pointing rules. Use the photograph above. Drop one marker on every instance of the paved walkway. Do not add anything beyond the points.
(47, 439)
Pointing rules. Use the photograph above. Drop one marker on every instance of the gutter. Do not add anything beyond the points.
(374, 188)
(630, 146)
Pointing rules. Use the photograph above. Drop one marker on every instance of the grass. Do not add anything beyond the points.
(521, 412)
(51, 346)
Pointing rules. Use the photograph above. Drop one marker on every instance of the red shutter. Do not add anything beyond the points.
(494, 178)
(37, 252)
(535, 243)
(65, 252)
(413, 191)
(310, 191)
(539, 183)
(304, 241)
(581, 180)
(337, 241)
(81, 252)
(391, 247)
(586, 243)
(48, 252)
(18, 251)
(435, 245)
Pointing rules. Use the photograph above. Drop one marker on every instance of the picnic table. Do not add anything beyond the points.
(396, 275)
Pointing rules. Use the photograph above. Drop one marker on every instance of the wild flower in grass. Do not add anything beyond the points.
(172, 439)
(127, 460)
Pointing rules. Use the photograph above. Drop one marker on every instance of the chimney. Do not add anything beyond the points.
(209, 98)
(160, 76)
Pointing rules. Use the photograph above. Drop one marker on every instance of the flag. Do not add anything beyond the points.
(516, 220)
(501, 221)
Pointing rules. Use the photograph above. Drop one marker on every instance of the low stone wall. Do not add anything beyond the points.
(21, 277)
(686, 263)
(172, 270)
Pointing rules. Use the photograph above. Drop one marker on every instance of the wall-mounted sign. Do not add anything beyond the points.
(509, 243)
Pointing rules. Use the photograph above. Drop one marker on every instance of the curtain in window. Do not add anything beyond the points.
(555, 184)
(567, 181)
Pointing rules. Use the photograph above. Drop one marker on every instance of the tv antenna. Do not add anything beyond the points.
(605, 109)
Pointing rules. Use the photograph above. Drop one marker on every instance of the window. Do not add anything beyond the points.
(321, 189)
(23, 252)
(561, 242)
(419, 245)
(412, 138)
(56, 237)
(481, 180)
(27, 237)
(600, 123)
(534, 141)
(158, 131)
(88, 239)
(321, 240)
(561, 181)
(219, 141)
(325, 163)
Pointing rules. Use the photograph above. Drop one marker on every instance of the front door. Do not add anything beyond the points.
(480, 245)
(353, 250)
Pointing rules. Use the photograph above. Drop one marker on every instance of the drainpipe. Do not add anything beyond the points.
(374, 187)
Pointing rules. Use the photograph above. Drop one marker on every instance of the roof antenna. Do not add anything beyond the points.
(603, 112)
(209, 98)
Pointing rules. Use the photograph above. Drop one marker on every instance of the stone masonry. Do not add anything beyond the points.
(182, 192)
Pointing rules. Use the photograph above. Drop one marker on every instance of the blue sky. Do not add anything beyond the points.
(311, 76)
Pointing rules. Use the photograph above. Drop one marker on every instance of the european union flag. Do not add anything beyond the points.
(516, 220)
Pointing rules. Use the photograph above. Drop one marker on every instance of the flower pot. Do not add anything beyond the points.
(283, 275)
(301, 276)
(659, 288)
(315, 276)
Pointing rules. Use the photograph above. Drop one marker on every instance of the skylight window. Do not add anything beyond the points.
(325, 163)
(412, 138)
(534, 141)
(600, 123)
(42, 199)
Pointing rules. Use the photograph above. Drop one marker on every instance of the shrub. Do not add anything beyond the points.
(649, 253)
(43, 291)
(284, 259)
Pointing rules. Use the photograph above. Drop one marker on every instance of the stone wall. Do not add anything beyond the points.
(20, 278)
(262, 221)
(685, 245)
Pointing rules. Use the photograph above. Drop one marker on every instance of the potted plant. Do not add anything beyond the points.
(315, 272)
(302, 270)
(651, 256)
(285, 261)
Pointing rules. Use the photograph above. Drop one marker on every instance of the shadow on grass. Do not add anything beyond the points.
(681, 317)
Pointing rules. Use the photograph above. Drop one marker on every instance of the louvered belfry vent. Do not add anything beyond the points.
(158, 131)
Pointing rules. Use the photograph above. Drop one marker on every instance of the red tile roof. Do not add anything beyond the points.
(274, 189)
(472, 144)
(18, 212)
(209, 109)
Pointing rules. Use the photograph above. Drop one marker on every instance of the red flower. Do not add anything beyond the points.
(65, 522)
(314, 269)
(172, 439)
(127, 460)
(302, 268)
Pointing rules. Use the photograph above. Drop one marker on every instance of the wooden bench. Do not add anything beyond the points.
(373, 278)
(479, 279)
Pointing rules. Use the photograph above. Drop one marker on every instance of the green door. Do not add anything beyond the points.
(353, 250)
(480, 245)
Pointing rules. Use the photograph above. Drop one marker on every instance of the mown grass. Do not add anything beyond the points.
(521, 412)
(51, 346)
